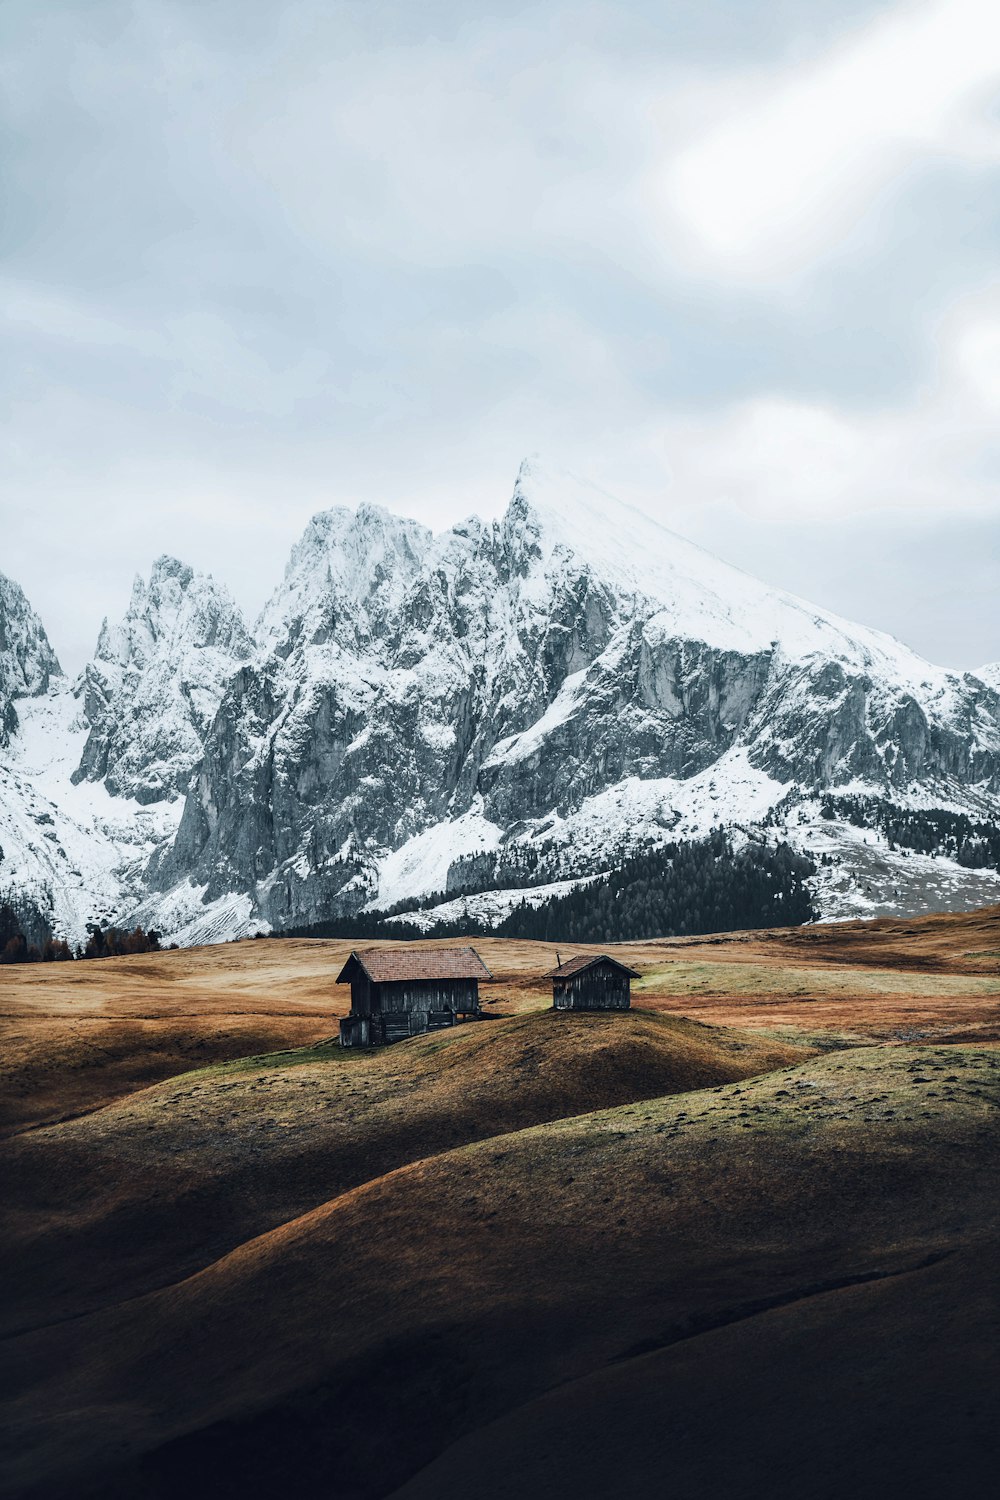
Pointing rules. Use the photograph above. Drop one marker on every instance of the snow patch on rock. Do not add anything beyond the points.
(490, 907)
(420, 867)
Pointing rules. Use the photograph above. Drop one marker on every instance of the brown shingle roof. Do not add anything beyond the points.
(585, 961)
(384, 965)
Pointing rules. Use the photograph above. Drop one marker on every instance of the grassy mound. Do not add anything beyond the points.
(149, 1189)
(51, 1071)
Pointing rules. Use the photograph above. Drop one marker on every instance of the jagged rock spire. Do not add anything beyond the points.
(152, 689)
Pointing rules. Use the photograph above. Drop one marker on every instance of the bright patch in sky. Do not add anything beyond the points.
(800, 154)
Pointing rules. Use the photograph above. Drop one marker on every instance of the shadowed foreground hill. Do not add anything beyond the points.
(149, 1189)
(688, 1246)
(883, 1388)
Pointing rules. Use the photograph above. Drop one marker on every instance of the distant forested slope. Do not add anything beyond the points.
(677, 889)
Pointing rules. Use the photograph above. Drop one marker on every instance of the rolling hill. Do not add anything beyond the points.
(613, 1255)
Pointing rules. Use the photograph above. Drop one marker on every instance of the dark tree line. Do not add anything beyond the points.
(519, 867)
(102, 942)
(675, 890)
(516, 867)
(678, 890)
(116, 942)
(975, 845)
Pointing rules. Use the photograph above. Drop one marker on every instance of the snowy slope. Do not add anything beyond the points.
(489, 908)
(701, 598)
(555, 687)
(507, 705)
(866, 876)
(74, 851)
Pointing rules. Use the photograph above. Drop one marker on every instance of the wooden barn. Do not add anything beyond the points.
(401, 992)
(592, 981)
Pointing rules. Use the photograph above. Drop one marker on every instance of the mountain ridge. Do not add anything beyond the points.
(560, 686)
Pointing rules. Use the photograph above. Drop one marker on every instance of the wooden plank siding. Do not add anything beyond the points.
(459, 995)
(356, 1031)
(601, 986)
(361, 995)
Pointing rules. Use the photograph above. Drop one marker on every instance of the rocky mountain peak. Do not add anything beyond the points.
(345, 580)
(530, 698)
(571, 526)
(156, 681)
(488, 686)
(27, 660)
(175, 611)
(567, 527)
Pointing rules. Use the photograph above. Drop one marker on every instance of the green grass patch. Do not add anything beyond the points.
(861, 1089)
(294, 1057)
(724, 979)
(821, 1041)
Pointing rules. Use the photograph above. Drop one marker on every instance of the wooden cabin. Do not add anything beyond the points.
(401, 992)
(592, 981)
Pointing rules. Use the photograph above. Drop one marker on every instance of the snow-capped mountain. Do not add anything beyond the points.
(27, 661)
(438, 714)
(90, 784)
(72, 851)
(156, 680)
(569, 680)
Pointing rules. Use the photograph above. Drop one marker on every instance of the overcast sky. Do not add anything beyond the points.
(737, 261)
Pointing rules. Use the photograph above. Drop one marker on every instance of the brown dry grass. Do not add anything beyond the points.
(155, 1186)
(215, 1279)
(66, 1047)
(852, 1391)
(468, 1284)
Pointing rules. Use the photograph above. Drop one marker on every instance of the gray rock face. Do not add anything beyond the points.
(515, 672)
(513, 703)
(152, 690)
(27, 661)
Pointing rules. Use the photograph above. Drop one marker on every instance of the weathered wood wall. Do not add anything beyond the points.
(361, 993)
(355, 1031)
(461, 995)
(602, 987)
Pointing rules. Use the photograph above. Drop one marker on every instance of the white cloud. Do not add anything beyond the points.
(199, 353)
(512, 139)
(795, 156)
(69, 320)
(781, 458)
(308, 257)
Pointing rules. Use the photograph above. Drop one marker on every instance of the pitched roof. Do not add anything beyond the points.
(384, 965)
(587, 960)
